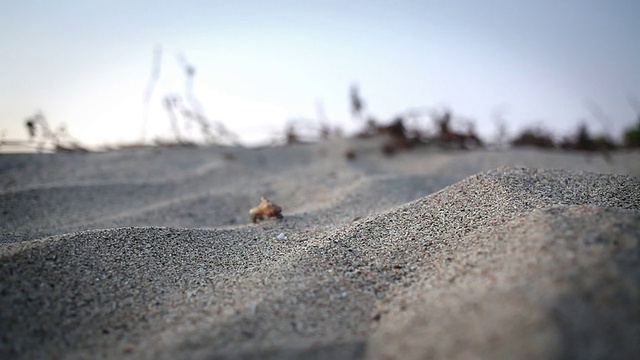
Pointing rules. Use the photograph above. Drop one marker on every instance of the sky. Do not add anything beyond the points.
(259, 65)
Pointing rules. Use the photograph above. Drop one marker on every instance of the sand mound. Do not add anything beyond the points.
(512, 262)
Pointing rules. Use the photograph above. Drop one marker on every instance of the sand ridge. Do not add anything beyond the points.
(425, 255)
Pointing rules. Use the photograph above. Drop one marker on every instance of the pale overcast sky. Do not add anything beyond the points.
(261, 63)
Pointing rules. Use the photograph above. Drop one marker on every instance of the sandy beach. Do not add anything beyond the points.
(430, 253)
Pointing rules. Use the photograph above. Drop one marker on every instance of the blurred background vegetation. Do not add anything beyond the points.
(105, 75)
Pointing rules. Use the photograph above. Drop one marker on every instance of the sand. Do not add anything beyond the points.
(432, 253)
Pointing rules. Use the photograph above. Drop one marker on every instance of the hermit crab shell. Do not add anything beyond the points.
(266, 208)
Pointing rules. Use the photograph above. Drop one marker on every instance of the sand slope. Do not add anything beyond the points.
(430, 254)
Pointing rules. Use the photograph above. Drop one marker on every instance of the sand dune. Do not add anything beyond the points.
(428, 254)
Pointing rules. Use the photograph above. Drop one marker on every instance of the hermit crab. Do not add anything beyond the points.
(267, 208)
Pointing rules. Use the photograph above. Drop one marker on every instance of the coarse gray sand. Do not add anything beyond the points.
(444, 254)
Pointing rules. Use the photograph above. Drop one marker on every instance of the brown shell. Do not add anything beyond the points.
(267, 208)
